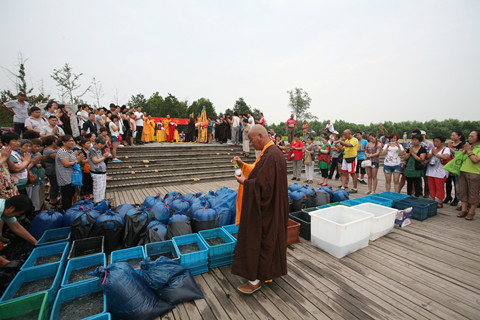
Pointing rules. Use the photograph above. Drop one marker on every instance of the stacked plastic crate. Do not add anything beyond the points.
(220, 246)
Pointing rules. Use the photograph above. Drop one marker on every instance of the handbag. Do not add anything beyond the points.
(367, 163)
(290, 155)
(445, 161)
(307, 160)
(455, 165)
(77, 175)
(31, 177)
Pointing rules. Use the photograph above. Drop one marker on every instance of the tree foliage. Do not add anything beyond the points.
(197, 106)
(299, 103)
(68, 82)
(241, 107)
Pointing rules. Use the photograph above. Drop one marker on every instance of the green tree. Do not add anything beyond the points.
(299, 103)
(68, 82)
(138, 101)
(241, 106)
(153, 105)
(197, 106)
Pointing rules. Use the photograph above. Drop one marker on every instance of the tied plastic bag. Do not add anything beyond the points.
(45, 220)
(128, 295)
(455, 164)
(77, 175)
(340, 195)
(204, 219)
(160, 212)
(181, 288)
(159, 272)
(178, 225)
(136, 222)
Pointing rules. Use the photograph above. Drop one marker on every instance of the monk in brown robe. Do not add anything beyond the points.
(262, 212)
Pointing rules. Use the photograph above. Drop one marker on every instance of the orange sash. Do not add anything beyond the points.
(246, 169)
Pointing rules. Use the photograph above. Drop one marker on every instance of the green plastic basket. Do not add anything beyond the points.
(23, 306)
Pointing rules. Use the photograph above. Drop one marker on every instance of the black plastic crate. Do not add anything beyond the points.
(303, 218)
(86, 247)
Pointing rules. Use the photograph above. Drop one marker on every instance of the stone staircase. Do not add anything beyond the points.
(158, 165)
(170, 164)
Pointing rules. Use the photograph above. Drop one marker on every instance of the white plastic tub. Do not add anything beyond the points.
(340, 230)
(383, 219)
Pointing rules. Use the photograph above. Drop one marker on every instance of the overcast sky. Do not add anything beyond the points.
(360, 61)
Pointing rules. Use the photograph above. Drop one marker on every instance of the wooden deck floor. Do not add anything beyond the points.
(428, 270)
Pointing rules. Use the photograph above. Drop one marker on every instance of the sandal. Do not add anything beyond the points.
(439, 205)
(469, 217)
(462, 214)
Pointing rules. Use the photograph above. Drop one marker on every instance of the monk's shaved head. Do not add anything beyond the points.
(258, 130)
(258, 136)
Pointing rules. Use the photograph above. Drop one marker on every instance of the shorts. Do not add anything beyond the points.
(392, 169)
(114, 139)
(349, 167)
(360, 169)
(375, 165)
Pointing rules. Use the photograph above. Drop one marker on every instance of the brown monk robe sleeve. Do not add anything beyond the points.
(261, 251)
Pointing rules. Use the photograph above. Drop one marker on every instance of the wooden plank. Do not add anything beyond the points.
(220, 296)
(355, 278)
(231, 294)
(192, 310)
(435, 251)
(203, 305)
(355, 302)
(433, 265)
(406, 287)
(257, 301)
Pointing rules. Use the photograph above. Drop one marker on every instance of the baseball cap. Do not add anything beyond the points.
(423, 132)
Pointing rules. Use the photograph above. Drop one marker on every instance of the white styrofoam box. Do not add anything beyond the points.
(383, 218)
(340, 230)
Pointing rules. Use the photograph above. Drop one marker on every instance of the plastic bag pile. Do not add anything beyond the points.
(160, 285)
(158, 218)
(301, 197)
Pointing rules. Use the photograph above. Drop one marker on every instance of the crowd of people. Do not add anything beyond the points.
(418, 163)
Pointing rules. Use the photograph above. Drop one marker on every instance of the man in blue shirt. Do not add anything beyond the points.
(10, 209)
(362, 145)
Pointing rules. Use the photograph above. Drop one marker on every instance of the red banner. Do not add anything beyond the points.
(174, 120)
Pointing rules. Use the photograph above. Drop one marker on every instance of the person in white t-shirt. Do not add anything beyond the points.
(329, 127)
(139, 122)
(235, 129)
(438, 156)
(393, 152)
(82, 115)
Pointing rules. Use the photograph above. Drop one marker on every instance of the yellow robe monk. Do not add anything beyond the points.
(148, 130)
(166, 126)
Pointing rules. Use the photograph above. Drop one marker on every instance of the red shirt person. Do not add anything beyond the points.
(291, 127)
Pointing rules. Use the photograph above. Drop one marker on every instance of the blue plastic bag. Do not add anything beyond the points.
(77, 175)
(124, 208)
(294, 187)
(172, 195)
(180, 288)
(297, 195)
(128, 295)
(159, 228)
(306, 191)
(199, 204)
(160, 212)
(45, 220)
(102, 206)
(151, 201)
(340, 195)
(159, 272)
(180, 205)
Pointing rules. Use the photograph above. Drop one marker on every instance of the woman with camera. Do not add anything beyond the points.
(415, 158)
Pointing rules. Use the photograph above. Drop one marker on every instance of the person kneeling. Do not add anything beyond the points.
(10, 209)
